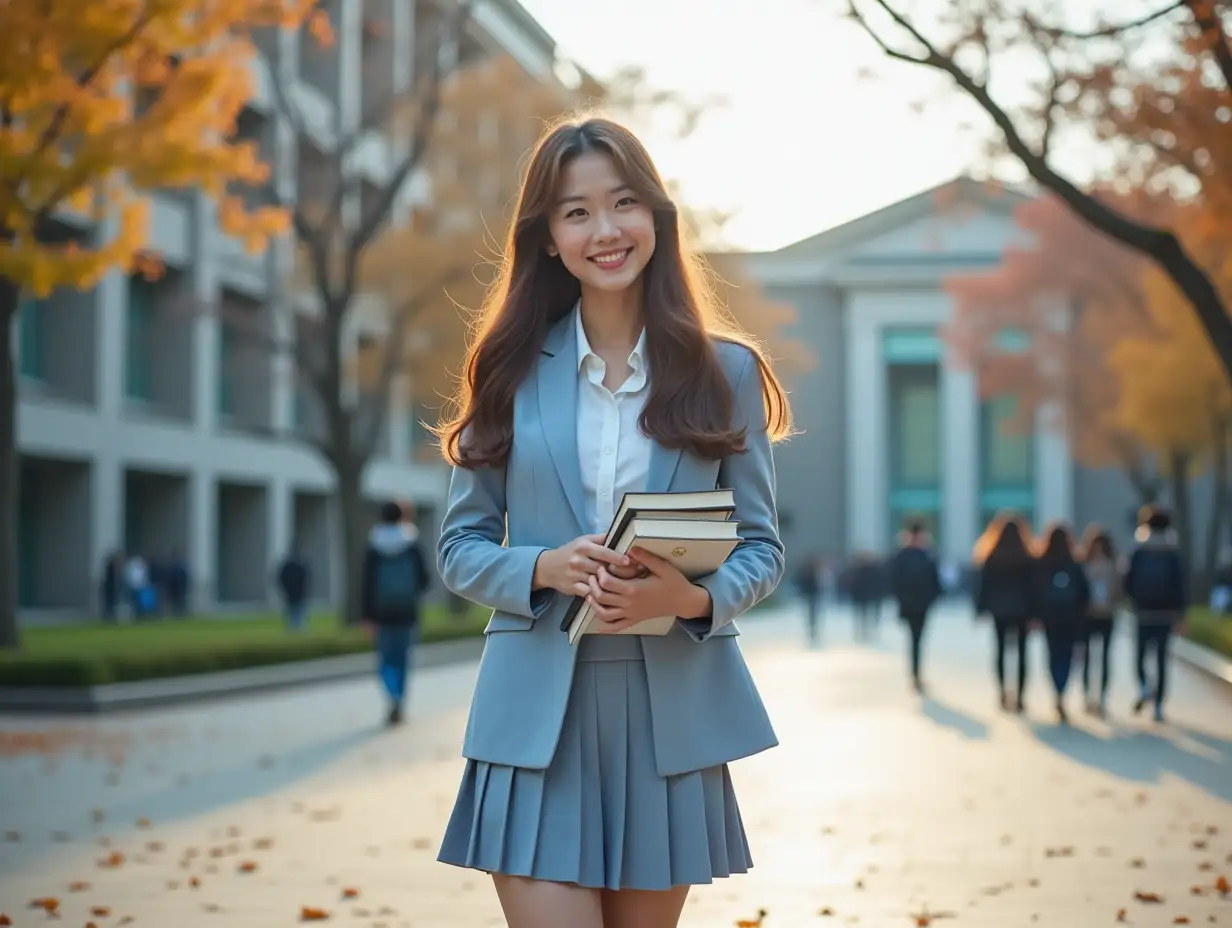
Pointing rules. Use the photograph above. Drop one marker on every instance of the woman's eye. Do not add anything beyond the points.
(575, 212)
(625, 201)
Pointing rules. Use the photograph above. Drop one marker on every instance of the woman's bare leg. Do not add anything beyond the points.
(541, 904)
(640, 908)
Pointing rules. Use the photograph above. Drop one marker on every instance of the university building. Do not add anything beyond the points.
(145, 426)
(891, 426)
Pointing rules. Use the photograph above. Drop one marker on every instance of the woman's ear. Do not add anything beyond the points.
(551, 249)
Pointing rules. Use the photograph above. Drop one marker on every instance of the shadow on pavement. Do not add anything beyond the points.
(1144, 756)
(951, 718)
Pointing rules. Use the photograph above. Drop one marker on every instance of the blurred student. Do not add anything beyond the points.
(1099, 560)
(1005, 586)
(1061, 599)
(915, 582)
(1155, 583)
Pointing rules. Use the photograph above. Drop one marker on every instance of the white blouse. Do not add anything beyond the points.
(613, 452)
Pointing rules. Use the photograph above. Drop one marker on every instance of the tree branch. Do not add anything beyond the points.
(1209, 20)
(1105, 32)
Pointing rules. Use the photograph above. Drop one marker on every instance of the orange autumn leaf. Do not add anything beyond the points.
(195, 882)
(310, 914)
(752, 922)
(49, 904)
(1181, 920)
(5, 921)
(350, 892)
(1122, 915)
(1223, 886)
(100, 911)
(112, 861)
(80, 886)
(248, 866)
(1149, 898)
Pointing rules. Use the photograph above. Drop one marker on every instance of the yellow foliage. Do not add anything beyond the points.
(1174, 392)
(108, 100)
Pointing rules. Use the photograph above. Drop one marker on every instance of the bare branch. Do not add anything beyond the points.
(1108, 31)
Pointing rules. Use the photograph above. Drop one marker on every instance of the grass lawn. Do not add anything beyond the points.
(1210, 631)
(94, 654)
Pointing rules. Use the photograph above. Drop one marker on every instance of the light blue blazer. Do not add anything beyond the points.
(705, 707)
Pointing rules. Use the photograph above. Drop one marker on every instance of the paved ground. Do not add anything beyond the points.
(876, 807)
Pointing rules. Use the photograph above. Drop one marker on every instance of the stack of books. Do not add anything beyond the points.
(692, 530)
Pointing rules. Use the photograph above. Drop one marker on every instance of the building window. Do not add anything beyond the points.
(32, 339)
(916, 430)
(139, 361)
(1008, 451)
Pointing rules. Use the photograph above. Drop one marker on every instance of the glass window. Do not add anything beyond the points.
(32, 344)
(226, 388)
(138, 375)
(1007, 451)
(915, 422)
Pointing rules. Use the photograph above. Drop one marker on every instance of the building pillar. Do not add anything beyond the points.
(867, 502)
(202, 551)
(1054, 483)
(960, 490)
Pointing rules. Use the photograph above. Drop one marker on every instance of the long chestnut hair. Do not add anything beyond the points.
(691, 401)
(1006, 540)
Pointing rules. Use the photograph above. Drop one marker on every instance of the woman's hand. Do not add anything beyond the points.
(619, 604)
(568, 568)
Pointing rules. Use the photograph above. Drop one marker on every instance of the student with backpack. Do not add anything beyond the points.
(1062, 595)
(1155, 584)
(1099, 560)
(916, 584)
(395, 578)
(1004, 591)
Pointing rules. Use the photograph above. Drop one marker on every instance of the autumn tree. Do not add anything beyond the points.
(1155, 87)
(1066, 297)
(1176, 401)
(102, 103)
(325, 324)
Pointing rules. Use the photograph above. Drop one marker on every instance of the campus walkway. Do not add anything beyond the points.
(878, 808)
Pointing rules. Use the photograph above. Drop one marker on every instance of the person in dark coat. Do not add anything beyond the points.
(1005, 584)
(1062, 595)
(915, 582)
(294, 580)
(395, 580)
(1156, 583)
(867, 589)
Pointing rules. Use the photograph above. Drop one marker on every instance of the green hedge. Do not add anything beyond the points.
(95, 654)
(1210, 631)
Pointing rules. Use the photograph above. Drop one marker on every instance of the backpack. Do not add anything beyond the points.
(1155, 580)
(397, 583)
(1060, 595)
(915, 581)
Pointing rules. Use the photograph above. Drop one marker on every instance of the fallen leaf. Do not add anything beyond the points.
(173, 884)
(825, 911)
(1222, 886)
(112, 861)
(420, 844)
(752, 922)
(1122, 915)
(309, 914)
(350, 892)
(195, 882)
(248, 866)
(1137, 863)
(1199, 845)
(1206, 866)
(126, 920)
(263, 844)
(5, 920)
(1151, 898)
(154, 846)
(211, 907)
(49, 904)
(100, 911)
(1181, 920)
(78, 887)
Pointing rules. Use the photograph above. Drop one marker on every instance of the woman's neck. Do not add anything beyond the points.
(613, 321)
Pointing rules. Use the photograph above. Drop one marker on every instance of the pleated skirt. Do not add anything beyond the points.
(600, 815)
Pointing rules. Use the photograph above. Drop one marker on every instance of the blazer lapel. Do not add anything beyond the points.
(558, 403)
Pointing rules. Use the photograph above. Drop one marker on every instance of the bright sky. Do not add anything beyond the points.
(804, 143)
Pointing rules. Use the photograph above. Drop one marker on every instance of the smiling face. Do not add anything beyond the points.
(598, 227)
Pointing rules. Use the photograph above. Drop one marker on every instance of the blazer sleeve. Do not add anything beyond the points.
(755, 567)
(471, 555)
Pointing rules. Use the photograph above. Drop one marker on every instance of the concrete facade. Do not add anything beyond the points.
(855, 289)
(144, 425)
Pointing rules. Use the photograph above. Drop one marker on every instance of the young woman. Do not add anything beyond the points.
(1005, 592)
(596, 788)
(1099, 560)
(1062, 595)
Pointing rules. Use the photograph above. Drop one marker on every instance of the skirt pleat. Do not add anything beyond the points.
(600, 815)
